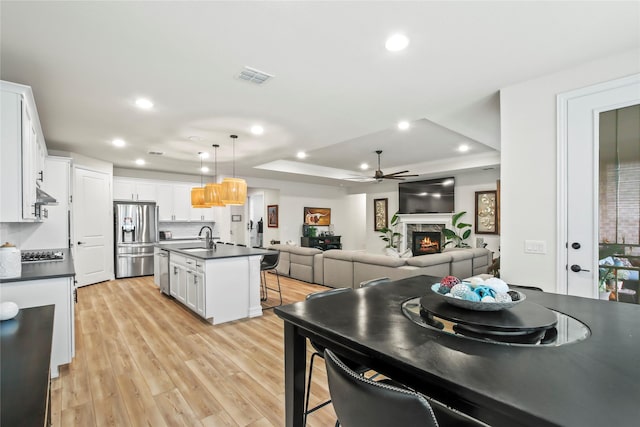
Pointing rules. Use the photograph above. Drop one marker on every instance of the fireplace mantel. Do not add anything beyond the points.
(405, 219)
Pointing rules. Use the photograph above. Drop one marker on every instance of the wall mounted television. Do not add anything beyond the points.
(430, 196)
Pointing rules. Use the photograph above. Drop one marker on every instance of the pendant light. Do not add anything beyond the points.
(197, 193)
(213, 190)
(234, 190)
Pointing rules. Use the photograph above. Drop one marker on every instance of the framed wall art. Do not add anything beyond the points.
(272, 216)
(486, 212)
(317, 216)
(380, 214)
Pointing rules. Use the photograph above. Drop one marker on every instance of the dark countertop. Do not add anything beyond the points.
(222, 251)
(25, 356)
(595, 382)
(45, 270)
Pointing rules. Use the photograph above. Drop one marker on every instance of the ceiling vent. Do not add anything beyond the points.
(156, 153)
(254, 76)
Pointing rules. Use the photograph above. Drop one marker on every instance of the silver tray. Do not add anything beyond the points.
(481, 306)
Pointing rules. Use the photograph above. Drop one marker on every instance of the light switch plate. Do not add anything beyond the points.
(535, 247)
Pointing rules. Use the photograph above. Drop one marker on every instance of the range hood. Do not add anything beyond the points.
(43, 198)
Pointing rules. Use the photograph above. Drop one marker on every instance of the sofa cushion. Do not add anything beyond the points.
(339, 254)
(428, 260)
(376, 259)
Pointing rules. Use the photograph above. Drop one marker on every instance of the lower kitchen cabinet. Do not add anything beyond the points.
(59, 292)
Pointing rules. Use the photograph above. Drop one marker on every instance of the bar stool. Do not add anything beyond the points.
(319, 352)
(269, 262)
(360, 402)
(374, 282)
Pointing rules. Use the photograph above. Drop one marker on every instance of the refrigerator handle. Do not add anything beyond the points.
(134, 233)
(157, 225)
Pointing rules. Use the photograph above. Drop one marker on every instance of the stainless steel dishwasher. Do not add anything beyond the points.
(163, 269)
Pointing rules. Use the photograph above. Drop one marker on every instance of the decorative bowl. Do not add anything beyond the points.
(479, 305)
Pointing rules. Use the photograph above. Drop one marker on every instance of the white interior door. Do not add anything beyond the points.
(93, 226)
(579, 117)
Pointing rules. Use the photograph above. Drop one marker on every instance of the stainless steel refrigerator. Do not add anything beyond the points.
(136, 232)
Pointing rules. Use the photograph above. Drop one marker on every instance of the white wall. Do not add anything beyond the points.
(355, 232)
(466, 186)
(528, 165)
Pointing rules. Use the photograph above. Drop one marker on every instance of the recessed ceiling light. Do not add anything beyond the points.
(364, 166)
(257, 130)
(463, 148)
(301, 155)
(203, 155)
(204, 169)
(118, 142)
(403, 125)
(397, 42)
(140, 162)
(144, 104)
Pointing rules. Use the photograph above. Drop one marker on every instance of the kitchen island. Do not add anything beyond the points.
(220, 284)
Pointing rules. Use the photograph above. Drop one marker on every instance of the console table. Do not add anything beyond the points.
(25, 358)
(323, 242)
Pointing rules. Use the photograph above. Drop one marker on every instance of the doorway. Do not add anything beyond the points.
(580, 156)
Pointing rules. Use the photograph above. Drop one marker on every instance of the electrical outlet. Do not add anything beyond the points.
(535, 247)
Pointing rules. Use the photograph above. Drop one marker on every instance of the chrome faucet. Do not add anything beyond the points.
(207, 237)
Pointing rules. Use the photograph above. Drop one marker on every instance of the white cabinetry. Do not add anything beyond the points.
(178, 277)
(195, 287)
(59, 292)
(22, 153)
(133, 189)
(174, 202)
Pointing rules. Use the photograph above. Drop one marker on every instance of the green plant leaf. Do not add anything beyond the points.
(456, 217)
(466, 234)
(449, 234)
(394, 218)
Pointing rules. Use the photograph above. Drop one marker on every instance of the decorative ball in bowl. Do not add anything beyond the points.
(478, 295)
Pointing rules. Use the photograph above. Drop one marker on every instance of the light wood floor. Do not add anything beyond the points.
(143, 359)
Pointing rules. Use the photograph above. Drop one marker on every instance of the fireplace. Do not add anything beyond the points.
(426, 242)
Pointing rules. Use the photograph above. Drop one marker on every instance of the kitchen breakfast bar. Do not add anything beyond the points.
(591, 381)
(220, 284)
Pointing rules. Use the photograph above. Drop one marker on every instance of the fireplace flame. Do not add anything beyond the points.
(427, 243)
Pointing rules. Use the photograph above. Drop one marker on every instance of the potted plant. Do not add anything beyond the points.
(390, 235)
(461, 232)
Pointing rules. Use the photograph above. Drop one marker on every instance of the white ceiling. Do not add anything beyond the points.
(336, 92)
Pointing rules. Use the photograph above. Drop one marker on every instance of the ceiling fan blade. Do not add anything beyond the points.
(397, 173)
(392, 177)
(405, 175)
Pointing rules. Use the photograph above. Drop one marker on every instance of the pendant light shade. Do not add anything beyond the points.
(234, 190)
(197, 198)
(197, 193)
(213, 190)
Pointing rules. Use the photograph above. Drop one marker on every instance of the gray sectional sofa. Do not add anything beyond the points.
(338, 268)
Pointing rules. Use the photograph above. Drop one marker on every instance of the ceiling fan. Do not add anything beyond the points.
(379, 176)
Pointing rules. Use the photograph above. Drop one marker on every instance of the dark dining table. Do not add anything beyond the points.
(592, 382)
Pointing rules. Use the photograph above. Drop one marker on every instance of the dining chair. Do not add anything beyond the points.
(374, 282)
(319, 352)
(361, 402)
(269, 262)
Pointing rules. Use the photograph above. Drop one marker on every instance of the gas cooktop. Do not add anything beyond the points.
(42, 256)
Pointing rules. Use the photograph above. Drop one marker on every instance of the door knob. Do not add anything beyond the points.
(575, 245)
(576, 268)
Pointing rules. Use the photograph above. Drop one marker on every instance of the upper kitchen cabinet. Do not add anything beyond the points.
(133, 189)
(22, 154)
